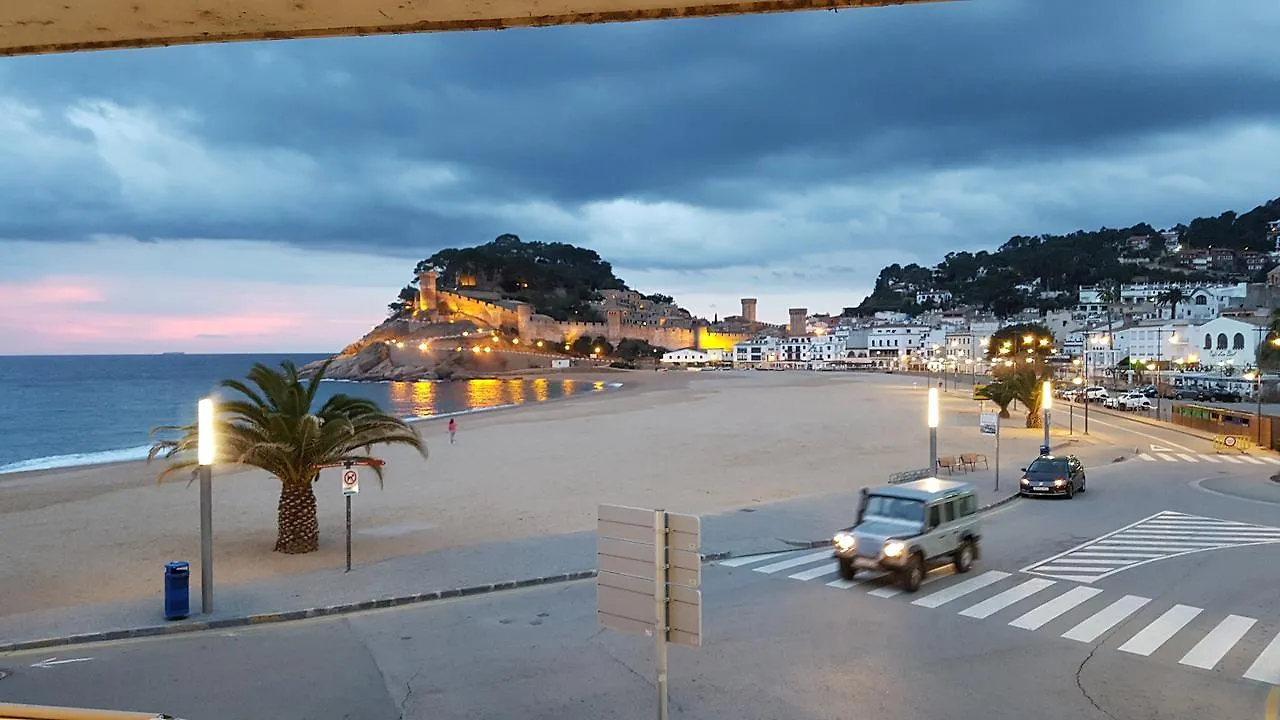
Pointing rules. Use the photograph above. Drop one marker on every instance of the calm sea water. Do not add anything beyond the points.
(65, 411)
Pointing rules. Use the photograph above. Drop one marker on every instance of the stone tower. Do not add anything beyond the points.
(524, 321)
(798, 317)
(613, 328)
(428, 300)
(749, 309)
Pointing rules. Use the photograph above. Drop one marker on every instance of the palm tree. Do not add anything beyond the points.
(1172, 298)
(999, 392)
(1027, 387)
(275, 428)
(1109, 294)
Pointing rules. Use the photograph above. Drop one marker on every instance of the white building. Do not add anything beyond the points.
(1228, 341)
(757, 351)
(1221, 342)
(808, 350)
(687, 356)
(898, 340)
(937, 297)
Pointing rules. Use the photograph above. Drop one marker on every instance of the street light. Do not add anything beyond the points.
(933, 430)
(205, 451)
(1046, 403)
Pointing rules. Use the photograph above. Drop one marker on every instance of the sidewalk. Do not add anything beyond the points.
(763, 528)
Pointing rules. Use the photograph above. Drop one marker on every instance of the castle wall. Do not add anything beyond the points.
(487, 312)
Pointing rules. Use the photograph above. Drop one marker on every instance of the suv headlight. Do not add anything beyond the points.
(844, 541)
(894, 548)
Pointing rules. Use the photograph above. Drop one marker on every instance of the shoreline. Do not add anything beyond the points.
(27, 473)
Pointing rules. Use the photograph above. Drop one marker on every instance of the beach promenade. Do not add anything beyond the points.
(772, 460)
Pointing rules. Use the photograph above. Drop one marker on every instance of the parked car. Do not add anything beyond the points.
(1052, 475)
(1095, 393)
(906, 529)
(1137, 402)
(1226, 396)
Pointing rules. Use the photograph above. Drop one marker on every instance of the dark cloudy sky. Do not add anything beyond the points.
(274, 196)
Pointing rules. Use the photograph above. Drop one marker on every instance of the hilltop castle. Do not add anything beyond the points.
(628, 314)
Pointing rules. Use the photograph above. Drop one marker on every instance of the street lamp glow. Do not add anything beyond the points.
(204, 435)
(933, 407)
(1046, 394)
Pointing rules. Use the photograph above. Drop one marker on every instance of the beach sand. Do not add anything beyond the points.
(690, 442)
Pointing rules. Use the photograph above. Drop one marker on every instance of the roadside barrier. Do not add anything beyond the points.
(1231, 443)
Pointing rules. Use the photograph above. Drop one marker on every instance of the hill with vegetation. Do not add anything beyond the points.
(557, 279)
(1051, 267)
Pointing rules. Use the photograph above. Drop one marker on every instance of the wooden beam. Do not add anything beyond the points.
(29, 27)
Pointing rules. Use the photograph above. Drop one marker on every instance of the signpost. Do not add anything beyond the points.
(989, 424)
(649, 567)
(350, 486)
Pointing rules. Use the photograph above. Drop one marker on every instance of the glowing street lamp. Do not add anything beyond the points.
(933, 430)
(1046, 404)
(206, 451)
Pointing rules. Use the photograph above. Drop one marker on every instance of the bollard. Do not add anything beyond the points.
(177, 590)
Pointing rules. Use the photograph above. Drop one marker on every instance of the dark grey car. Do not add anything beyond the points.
(1052, 475)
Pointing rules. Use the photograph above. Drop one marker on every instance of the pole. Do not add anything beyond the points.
(997, 452)
(1047, 413)
(933, 450)
(1259, 413)
(348, 499)
(660, 606)
(1086, 384)
(1071, 420)
(206, 539)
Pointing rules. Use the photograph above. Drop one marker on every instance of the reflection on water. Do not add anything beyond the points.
(424, 399)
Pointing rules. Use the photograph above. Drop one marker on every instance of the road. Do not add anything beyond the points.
(1151, 596)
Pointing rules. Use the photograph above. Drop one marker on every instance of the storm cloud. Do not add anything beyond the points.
(798, 151)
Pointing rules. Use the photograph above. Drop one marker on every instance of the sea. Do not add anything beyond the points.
(66, 411)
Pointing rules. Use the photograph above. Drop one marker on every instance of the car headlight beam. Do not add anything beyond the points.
(894, 548)
(844, 541)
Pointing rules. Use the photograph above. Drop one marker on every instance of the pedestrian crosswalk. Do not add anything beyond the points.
(1159, 537)
(1223, 459)
(1142, 626)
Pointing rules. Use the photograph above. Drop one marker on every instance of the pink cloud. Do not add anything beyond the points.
(50, 291)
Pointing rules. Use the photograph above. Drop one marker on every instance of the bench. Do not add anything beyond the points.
(949, 464)
(971, 460)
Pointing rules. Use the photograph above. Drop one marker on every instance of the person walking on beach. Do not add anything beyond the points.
(453, 430)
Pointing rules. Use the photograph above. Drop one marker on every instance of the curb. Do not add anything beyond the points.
(290, 615)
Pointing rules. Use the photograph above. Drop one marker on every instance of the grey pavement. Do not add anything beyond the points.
(1171, 637)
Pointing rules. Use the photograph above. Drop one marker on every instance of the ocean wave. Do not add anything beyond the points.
(77, 459)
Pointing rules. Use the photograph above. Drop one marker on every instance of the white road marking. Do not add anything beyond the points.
(1105, 619)
(1147, 457)
(811, 573)
(1037, 618)
(1055, 568)
(961, 589)
(1252, 459)
(1117, 554)
(887, 591)
(1087, 543)
(794, 562)
(995, 604)
(749, 559)
(1145, 435)
(1232, 459)
(842, 584)
(1210, 458)
(54, 661)
(1151, 637)
(1188, 458)
(1269, 459)
(1166, 458)
(1267, 667)
(1213, 647)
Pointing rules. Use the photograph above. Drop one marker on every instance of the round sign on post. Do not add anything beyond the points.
(350, 482)
(1229, 441)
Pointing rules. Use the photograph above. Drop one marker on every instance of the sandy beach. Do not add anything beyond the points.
(690, 442)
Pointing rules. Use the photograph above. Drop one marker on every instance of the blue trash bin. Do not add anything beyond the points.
(177, 590)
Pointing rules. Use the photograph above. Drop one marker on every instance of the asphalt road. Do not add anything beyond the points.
(1105, 606)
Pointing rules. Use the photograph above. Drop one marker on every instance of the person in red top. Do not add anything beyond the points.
(453, 430)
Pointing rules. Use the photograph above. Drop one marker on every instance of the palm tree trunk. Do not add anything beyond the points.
(297, 529)
(1035, 419)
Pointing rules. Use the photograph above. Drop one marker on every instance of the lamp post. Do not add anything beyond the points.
(933, 430)
(204, 456)
(1046, 404)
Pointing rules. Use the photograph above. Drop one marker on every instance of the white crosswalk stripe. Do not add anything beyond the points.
(1234, 458)
(1163, 535)
(1130, 624)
